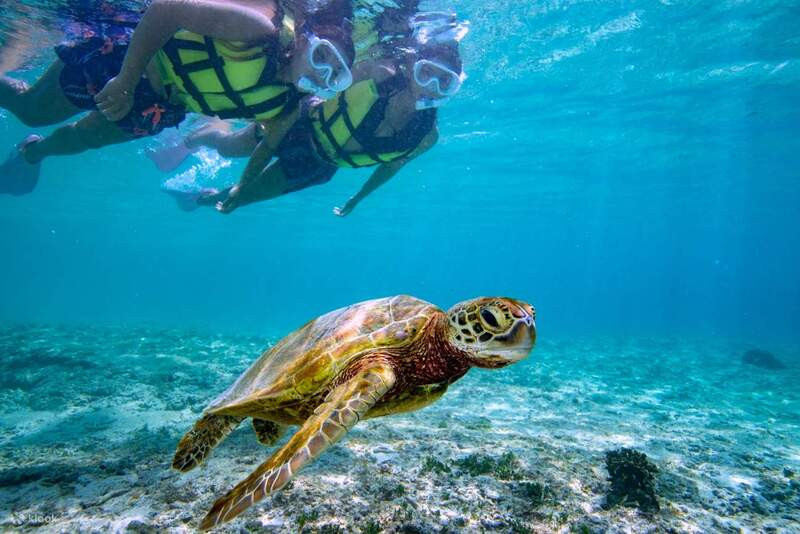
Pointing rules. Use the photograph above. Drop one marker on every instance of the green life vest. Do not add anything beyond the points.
(356, 114)
(214, 77)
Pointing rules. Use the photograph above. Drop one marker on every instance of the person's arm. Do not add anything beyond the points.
(384, 173)
(251, 186)
(227, 20)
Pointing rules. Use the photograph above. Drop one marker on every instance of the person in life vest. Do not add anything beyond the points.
(376, 31)
(386, 119)
(225, 58)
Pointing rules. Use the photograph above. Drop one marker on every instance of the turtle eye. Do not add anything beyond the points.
(489, 318)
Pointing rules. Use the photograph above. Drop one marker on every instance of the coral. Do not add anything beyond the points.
(535, 493)
(307, 517)
(413, 528)
(371, 527)
(432, 465)
(518, 527)
(508, 468)
(389, 492)
(505, 468)
(475, 464)
(632, 478)
(140, 527)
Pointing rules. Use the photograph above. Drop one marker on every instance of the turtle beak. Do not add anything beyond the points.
(517, 344)
(527, 315)
(523, 335)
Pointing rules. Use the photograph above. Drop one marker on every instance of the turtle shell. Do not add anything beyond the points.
(304, 362)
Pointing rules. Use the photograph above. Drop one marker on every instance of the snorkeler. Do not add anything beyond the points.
(376, 32)
(231, 59)
(387, 118)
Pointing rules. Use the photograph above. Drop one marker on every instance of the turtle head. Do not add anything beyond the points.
(493, 331)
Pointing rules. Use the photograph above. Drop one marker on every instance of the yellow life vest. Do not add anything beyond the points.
(356, 114)
(226, 79)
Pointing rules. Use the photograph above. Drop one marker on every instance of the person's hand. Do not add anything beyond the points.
(346, 209)
(230, 203)
(116, 98)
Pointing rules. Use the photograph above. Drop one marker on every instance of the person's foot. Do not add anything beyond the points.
(17, 175)
(187, 199)
(168, 158)
(176, 149)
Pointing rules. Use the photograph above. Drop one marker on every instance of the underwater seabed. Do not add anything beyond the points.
(90, 419)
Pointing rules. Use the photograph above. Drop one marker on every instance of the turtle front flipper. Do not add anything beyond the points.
(197, 444)
(342, 409)
(268, 432)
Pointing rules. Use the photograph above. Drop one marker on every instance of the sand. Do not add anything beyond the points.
(90, 418)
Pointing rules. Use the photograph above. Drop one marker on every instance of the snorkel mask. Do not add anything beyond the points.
(437, 78)
(432, 29)
(329, 65)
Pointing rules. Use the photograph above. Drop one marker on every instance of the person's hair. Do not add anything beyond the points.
(339, 37)
(330, 12)
(397, 15)
(447, 54)
(332, 21)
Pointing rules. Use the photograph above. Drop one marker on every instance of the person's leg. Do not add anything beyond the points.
(215, 134)
(41, 104)
(92, 131)
(271, 183)
(296, 168)
(207, 133)
(218, 135)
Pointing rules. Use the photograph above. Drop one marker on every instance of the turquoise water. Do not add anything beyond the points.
(626, 167)
(630, 168)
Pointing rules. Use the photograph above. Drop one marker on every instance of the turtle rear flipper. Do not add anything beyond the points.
(206, 433)
(268, 432)
(342, 409)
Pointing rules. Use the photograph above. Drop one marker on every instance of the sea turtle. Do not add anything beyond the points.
(370, 359)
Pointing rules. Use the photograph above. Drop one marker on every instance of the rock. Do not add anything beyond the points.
(632, 478)
(763, 359)
(589, 525)
(491, 494)
(140, 527)
(413, 528)
(493, 523)
(454, 521)
(22, 475)
(390, 491)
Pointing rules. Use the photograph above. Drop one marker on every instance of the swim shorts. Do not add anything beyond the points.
(91, 62)
(299, 161)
